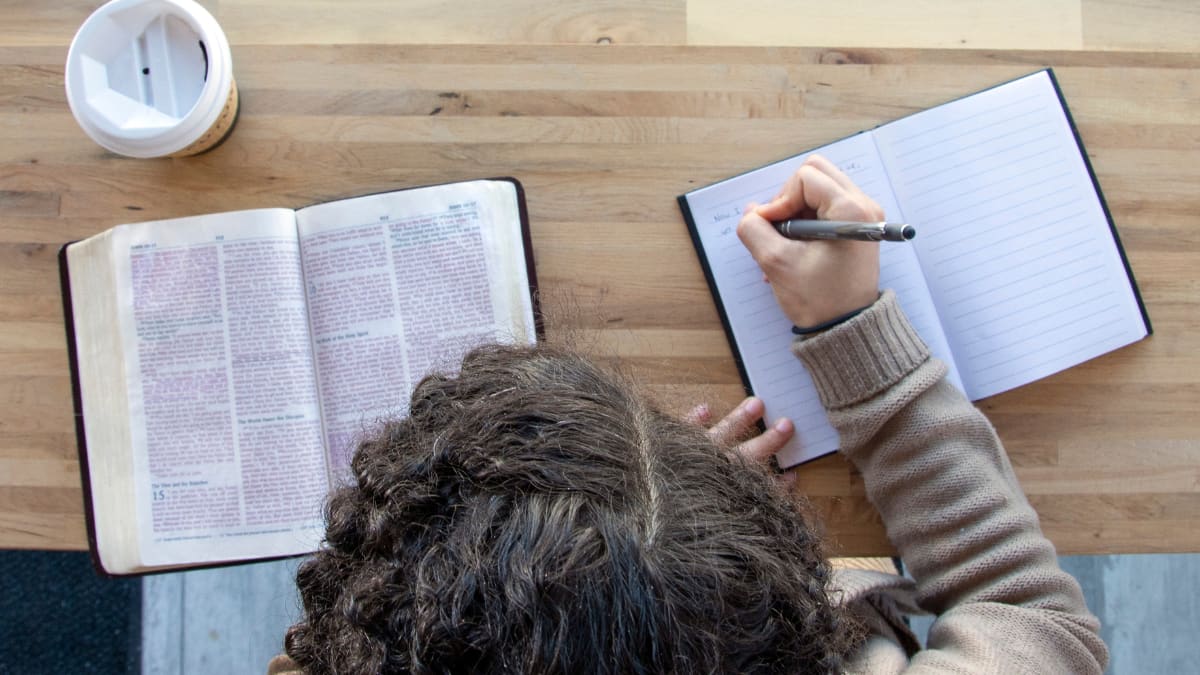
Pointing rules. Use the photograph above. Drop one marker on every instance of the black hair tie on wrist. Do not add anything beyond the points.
(809, 330)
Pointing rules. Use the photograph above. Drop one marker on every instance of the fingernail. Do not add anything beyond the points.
(753, 405)
(783, 426)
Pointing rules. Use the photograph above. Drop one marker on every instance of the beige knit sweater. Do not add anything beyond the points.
(936, 471)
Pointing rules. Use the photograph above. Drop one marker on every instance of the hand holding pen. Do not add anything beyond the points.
(817, 280)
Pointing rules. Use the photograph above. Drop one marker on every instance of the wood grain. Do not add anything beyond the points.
(1101, 25)
(1152, 25)
(428, 21)
(901, 23)
(604, 137)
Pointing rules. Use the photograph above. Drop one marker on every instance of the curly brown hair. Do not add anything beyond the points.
(533, 514)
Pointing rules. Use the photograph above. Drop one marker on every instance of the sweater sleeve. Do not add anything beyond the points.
(936, 470)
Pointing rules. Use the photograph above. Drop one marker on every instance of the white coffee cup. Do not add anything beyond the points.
(152, 78)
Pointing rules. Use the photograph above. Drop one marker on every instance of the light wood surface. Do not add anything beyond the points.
(604, 136)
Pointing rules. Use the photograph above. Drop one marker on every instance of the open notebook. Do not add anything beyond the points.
(1016, 271)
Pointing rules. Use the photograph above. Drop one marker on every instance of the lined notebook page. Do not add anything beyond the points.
(1012, 237)
(760, 330)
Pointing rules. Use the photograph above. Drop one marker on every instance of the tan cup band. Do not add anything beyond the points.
(219, 129)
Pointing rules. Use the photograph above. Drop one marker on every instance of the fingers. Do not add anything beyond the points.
(739, 423)
(761, 447)
(830, 169)
(854, 202)
(809, 188)
(819, 188)
(815, 184)
(701, 415)
(743, 422)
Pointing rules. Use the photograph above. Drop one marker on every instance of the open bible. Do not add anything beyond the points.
(1016, 271)
(225, 364)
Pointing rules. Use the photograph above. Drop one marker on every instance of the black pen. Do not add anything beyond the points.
(845, 229)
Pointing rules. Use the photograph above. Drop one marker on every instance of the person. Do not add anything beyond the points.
(534, 514)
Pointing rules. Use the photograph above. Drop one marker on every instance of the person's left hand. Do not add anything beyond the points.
(742, 422)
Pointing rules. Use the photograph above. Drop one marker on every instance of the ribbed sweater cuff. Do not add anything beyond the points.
(856, 360)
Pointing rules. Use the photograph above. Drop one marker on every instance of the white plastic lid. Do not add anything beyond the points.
(147, 78)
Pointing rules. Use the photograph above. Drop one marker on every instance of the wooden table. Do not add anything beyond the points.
(604, 137)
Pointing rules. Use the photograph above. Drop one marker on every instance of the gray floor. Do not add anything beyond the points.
(1149, 609)
(232, 620)
(221, 620)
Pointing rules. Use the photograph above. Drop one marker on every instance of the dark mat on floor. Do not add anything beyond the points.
(58, 616)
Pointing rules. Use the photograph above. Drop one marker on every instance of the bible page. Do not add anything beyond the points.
(404, 283)
(228, 458)
(1013, 239)
(759, 327)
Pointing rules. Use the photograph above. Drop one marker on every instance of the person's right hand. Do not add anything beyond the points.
(815, 281)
